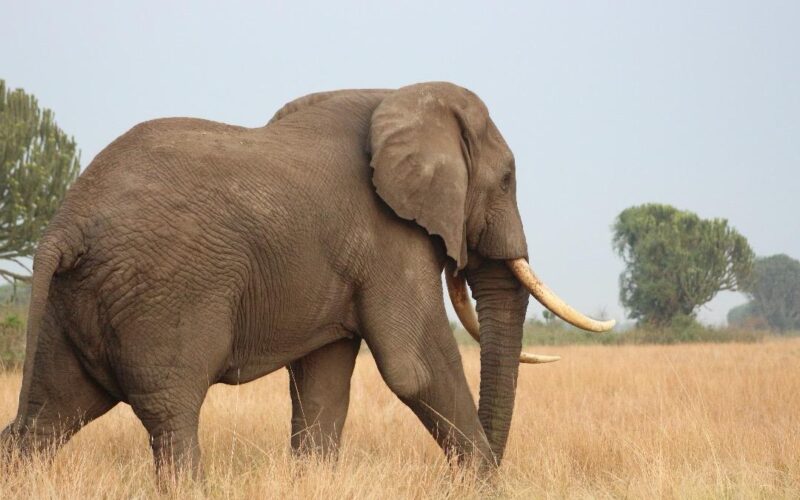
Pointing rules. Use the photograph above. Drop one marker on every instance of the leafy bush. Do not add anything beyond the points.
(12, 337)
(685, 329)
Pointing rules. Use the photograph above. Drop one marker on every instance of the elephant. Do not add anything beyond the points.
(191, 252)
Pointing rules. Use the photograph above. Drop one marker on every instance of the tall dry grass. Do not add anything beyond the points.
(688, 421)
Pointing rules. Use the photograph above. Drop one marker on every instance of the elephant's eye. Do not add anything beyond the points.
(505, 183)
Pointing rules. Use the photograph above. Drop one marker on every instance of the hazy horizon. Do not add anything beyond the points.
(604, 107)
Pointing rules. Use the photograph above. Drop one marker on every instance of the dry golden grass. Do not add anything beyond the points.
(688, 421)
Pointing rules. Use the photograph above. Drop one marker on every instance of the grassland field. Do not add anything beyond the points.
(630, 421)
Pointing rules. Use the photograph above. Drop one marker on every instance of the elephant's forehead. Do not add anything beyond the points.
(497, 146)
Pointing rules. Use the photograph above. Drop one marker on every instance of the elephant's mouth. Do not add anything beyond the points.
(457, 288)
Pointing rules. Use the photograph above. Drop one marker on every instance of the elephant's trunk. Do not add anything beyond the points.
(459, 297)
(502, 302)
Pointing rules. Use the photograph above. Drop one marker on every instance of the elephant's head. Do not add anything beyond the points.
(439, 160)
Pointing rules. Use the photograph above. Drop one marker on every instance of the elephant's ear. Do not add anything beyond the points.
(422, 139)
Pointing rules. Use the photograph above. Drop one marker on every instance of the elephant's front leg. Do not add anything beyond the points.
(319, 384)
(407, 331)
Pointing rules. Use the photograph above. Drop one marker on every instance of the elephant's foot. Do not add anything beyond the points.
(177, 459)
(9, 448)
(171, 415)
(19, 444)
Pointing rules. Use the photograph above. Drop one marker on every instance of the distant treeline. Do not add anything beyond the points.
(774, 293)
(683, 331)
(19, 295)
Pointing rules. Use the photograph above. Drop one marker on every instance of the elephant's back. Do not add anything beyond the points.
(176, 201)
(171, 154)
(156, 218)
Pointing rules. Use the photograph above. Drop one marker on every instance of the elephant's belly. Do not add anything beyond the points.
(257, 364)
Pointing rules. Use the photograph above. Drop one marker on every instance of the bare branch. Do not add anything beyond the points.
(20, 264)
(15, 276)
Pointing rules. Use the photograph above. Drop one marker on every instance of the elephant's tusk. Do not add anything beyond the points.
(551, 301)
(525, 357)
(457, 288)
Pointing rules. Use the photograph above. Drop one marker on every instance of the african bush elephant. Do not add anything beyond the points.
(192, 252)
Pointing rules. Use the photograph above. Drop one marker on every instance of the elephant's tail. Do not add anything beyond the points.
(57, 251)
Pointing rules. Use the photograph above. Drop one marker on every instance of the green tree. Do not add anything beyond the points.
(38, 162)
(746, 315)
(675, 261)
(775, 291)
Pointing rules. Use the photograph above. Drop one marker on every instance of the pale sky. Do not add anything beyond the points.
(605, 104)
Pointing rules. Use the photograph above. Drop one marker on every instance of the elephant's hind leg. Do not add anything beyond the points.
(319, 384)
(165, 374)
(167, 397)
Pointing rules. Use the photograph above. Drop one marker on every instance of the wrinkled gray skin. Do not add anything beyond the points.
(192, 252)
